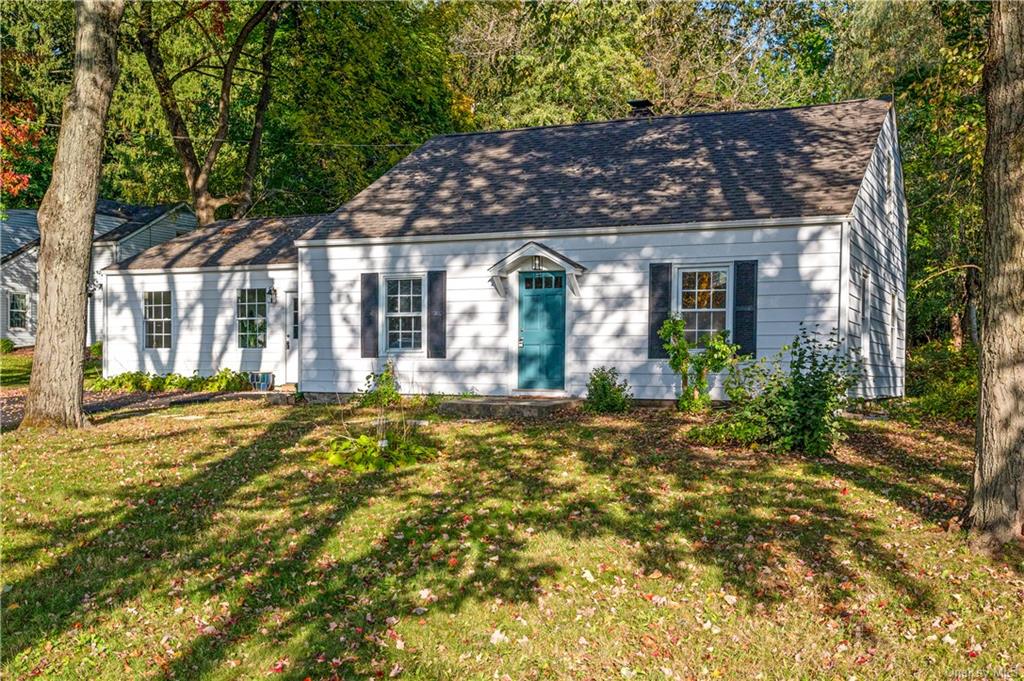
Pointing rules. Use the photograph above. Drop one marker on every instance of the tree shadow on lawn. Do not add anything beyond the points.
(675, 506)
(153, 538)
(748, 515)
(733, 514)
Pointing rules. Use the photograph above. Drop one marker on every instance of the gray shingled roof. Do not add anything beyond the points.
(779, 163)
(19, 229)
(775, 163)
(265, 241)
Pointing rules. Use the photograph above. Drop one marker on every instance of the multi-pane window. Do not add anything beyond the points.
(17, 311)
(403, 313)
(252, 318)
(702, 303)
(156, 308)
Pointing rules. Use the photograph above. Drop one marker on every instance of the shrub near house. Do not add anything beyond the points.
(794, 409)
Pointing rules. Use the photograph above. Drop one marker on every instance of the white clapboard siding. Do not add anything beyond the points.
(877, 266)
(103, 254)
(203, 322)
(21, 275)
(606, 324)
(166, 227)
(18, 275)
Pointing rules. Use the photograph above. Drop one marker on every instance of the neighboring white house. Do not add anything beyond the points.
(515, 262)
(120, 231)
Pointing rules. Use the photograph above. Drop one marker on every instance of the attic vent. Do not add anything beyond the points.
(641, 108)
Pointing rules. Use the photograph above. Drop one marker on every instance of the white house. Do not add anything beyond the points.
(515, 262)
(120, 231)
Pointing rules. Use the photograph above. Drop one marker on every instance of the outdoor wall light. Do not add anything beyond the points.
(272, 294)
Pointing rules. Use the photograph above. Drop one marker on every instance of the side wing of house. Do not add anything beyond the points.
(168, 226)
(877, 264)
(20, 297)
(198, 321)
(362, 303)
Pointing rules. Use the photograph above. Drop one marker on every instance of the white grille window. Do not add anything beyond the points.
(703, 303)
(157, 314)
(252, 318)
(17, 311)
(403, 313)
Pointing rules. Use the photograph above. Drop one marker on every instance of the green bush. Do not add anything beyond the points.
(794, 409)
(224, 380)
(6, 346)
(693, 364)
(96, 350)
(381, 388)
(942, 384)
(366, 453)
(606, 394)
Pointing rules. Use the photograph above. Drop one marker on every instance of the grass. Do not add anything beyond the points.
(16, 368)
(212, 541)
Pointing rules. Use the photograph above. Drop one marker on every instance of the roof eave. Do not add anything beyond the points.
(581, 231)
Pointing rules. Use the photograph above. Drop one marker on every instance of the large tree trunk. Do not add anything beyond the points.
(997, 507)
(66, 220)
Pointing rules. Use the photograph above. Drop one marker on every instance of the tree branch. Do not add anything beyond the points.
(941, 272)
(225, 88)
(256, 140)
(180, 136)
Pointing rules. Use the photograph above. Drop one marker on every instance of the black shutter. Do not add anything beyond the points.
(744, 307)
(436, 313)
(659, 307)
(370, 304)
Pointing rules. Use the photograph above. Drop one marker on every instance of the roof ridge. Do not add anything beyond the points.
(697, 114)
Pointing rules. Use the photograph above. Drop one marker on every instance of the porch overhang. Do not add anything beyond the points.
(534, 256)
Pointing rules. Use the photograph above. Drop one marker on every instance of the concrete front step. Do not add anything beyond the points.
(503, 407)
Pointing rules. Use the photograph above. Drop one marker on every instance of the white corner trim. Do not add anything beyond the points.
(581, 231)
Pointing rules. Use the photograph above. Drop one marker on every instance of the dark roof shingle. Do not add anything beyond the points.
(19, 228)
(778, 163)
(264, 241)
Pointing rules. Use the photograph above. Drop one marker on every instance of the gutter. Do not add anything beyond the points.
(581, 231)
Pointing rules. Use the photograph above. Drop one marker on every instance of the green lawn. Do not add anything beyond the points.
(16, 368)
(212, 541)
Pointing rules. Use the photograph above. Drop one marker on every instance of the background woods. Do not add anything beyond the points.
(253, 108)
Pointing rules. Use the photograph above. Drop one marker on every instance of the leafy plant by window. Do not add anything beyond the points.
(381, 389)
(794, 409)
(224, 380)
(606, 394)
(693, 364)
(96, 350)
(6, 346)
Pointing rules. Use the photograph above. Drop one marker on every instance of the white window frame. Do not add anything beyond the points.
(677, 289)
(266, 318)
(865, 316)
(383, 307)
(169, 320)
(894, 331)
(24, 310)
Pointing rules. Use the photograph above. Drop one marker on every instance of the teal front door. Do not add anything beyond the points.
(541, 330)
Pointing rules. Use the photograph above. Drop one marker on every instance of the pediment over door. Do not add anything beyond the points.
(533, 257)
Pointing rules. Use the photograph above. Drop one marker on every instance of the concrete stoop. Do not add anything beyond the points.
(503, 407)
